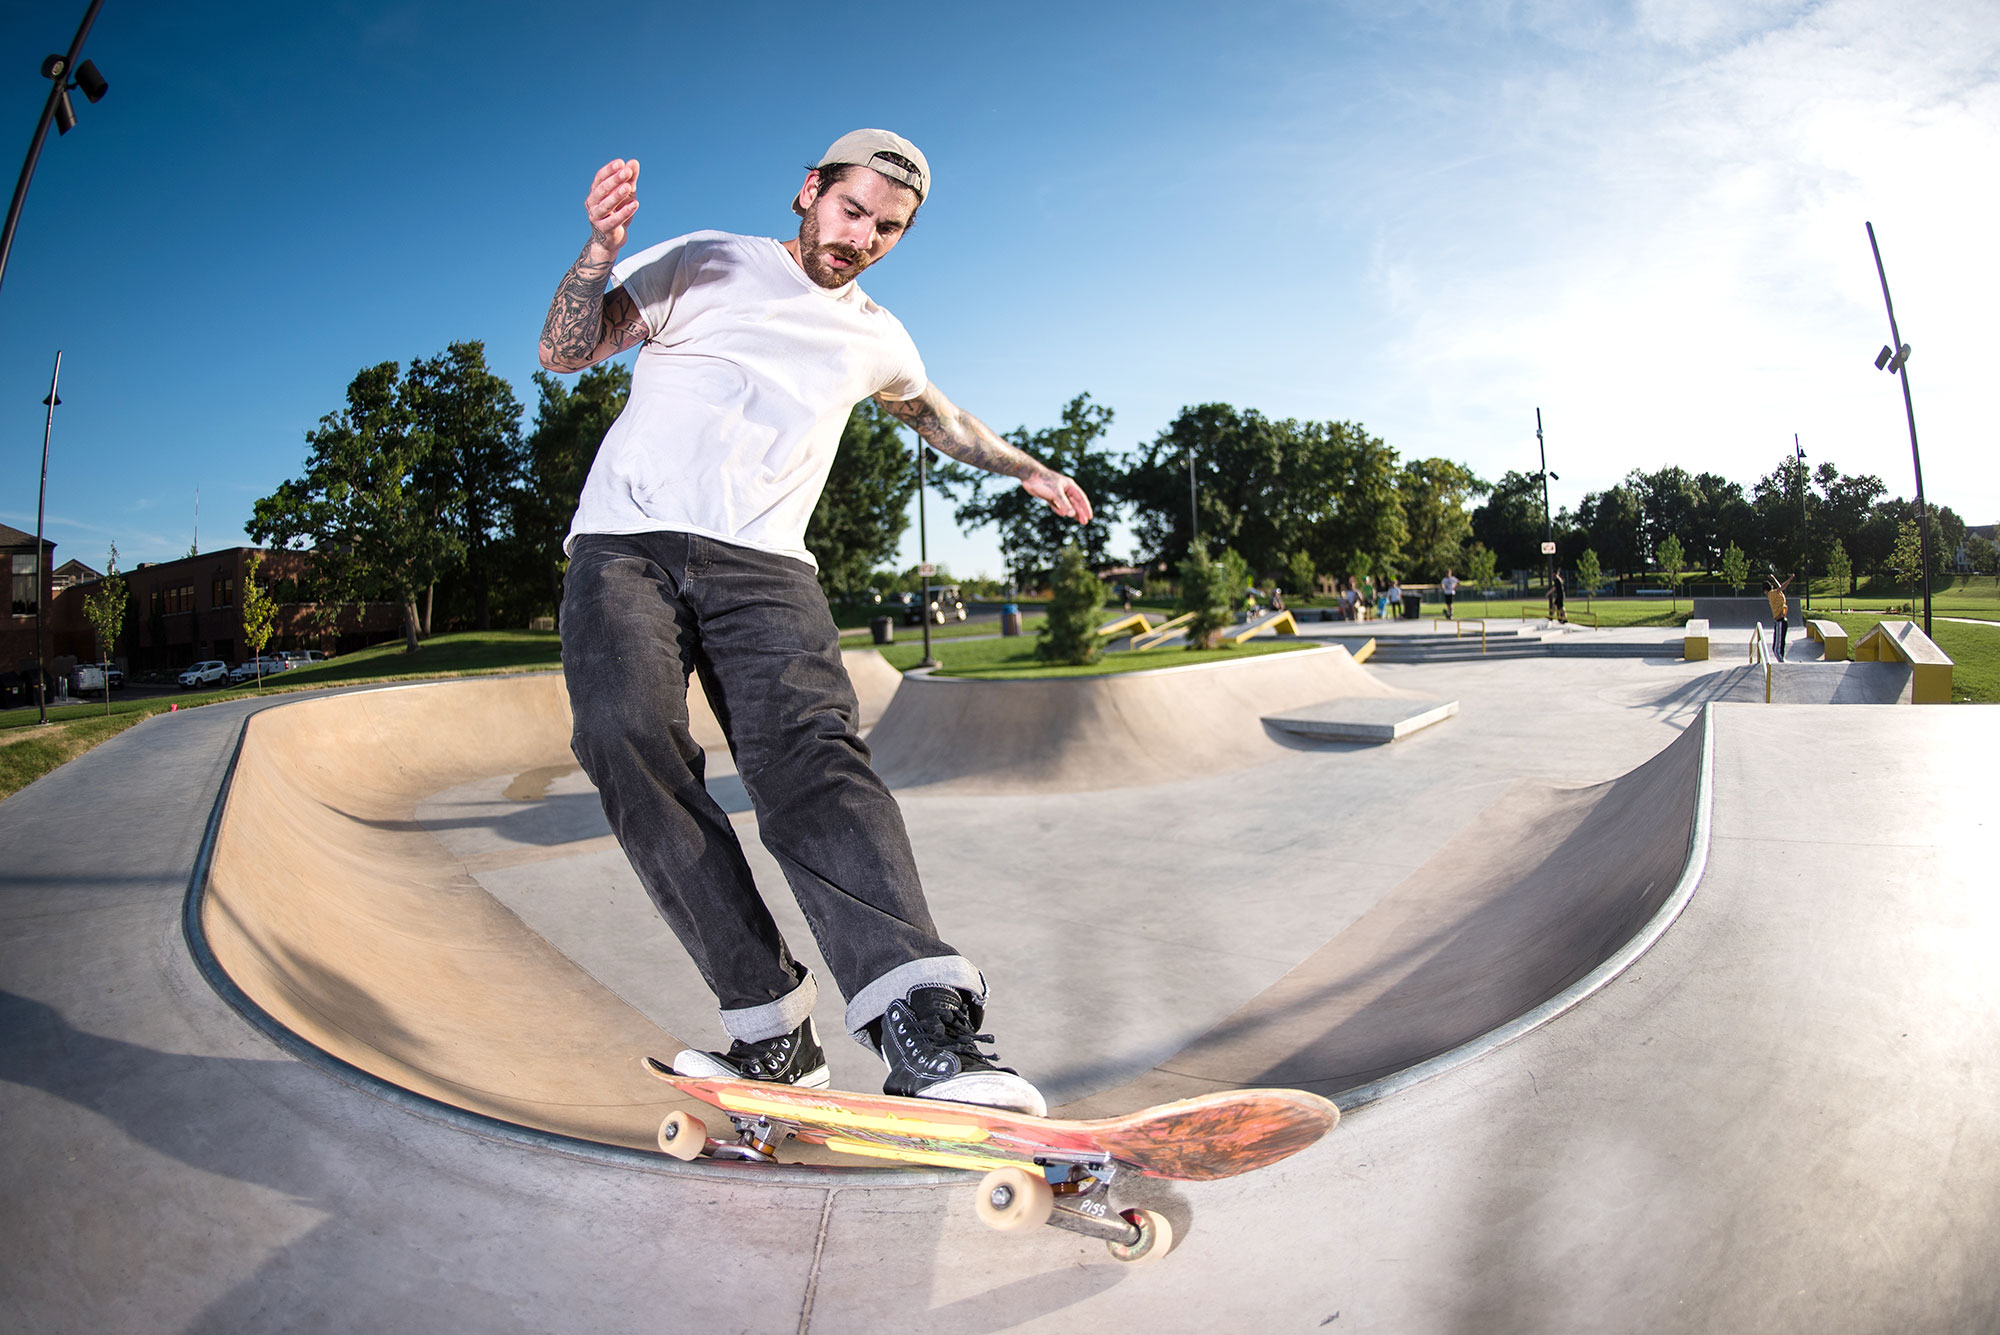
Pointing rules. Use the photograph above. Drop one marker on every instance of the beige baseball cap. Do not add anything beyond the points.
(864, 148)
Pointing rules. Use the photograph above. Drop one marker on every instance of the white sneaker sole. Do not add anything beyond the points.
(990, 1089)
(705, 1066)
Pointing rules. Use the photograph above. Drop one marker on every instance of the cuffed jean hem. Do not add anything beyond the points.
(871, 1001)
(754, 1024)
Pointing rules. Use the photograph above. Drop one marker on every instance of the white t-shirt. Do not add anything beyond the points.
(739, 393)
(1450, 585)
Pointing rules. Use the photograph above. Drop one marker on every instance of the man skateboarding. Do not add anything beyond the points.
(687, 554)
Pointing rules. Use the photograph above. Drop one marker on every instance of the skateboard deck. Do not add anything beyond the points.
(1031, 1162)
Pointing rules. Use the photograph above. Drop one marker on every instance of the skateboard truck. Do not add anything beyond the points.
(1069, 1192)
(1073, 1194)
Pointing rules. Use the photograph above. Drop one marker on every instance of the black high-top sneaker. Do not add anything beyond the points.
(927, 1041)
(790, 1059)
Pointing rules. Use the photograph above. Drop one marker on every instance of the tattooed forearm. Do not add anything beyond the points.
(953, 431)
(585, 326)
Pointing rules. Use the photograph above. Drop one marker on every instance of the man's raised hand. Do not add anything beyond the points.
(1061, 493)
(613, 199)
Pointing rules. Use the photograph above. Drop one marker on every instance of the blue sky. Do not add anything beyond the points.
(1645, 219)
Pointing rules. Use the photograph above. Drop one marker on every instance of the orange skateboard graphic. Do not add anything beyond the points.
(1038, 1169)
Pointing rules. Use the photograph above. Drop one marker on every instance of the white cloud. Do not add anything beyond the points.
(1675, 267)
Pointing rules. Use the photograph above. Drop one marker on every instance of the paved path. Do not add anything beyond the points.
(1785, 1116)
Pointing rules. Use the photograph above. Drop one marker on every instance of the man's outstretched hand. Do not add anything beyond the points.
(1061, 493)
(613, 199)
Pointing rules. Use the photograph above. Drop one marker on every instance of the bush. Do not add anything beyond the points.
(1070, 633)
(1209, 589)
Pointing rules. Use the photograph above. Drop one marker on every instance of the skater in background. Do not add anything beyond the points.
(1780, 613)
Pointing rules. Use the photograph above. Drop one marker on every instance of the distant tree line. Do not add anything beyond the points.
(1790, 520)
(427, 489)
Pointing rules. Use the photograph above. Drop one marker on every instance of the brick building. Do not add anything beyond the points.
(181, 612)
(176, 612)
(17, 628)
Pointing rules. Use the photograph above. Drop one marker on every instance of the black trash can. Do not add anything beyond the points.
(1010, 619)
(1413, 606)
(883, 629)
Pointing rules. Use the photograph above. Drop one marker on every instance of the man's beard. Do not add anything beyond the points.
(814, 261)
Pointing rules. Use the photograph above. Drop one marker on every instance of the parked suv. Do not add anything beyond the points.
(946, 605)
(209, 672)
(300, 657)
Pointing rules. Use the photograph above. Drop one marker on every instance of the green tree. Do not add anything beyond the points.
(1070, 633)
(1906, 557)
(1209, 589)
(1301, 575)
(467, 463)
(1510, 522)
(1735, 568)
(1481, 567)
(864, 510)
(1840, 571)
(1434, 493)
(260, 613)
(359, 507)
(1032, 536)
(570, 421)
(1589, 573)
(1267, 489)
(105, 609)
(1673, 564)
(1981, 554)
(1610, 522)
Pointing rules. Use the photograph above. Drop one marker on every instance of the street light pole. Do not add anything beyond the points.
(1548, 524)
(924, 557)
(1896, 357)
(41, 558)
(1194, 513)
(1805, 535)
(57, 69)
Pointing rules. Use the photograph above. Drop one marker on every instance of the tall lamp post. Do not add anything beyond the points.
(1896, 357)
(1805, 530)
(924, 554)
(57, 109)
(41, 557)
(1548, 524)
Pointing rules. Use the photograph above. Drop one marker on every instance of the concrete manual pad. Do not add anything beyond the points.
(1361, 720)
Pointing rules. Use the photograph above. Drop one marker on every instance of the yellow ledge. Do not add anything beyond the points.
(1902, 642)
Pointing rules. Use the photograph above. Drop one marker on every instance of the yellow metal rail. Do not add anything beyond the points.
(1459, 624)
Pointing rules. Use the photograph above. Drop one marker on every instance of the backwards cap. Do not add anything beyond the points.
(864, 148)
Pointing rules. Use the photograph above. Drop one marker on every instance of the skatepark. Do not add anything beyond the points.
(1648, 1005)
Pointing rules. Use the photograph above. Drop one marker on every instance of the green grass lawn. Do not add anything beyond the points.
(28, 750)
(1013, 658)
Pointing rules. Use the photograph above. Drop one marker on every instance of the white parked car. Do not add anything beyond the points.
(250, 669)
(210, 672)
(300, 657)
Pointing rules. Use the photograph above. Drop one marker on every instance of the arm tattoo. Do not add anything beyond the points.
(583, 324)
(963, 437)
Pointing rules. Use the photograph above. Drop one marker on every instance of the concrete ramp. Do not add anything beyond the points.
(348, 923)
(1076, 734)
(1546, 885)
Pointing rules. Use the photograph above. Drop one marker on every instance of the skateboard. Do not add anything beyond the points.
(1039, 1170)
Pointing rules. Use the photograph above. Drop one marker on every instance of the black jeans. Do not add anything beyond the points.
(1778, 638)
(640, 613)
